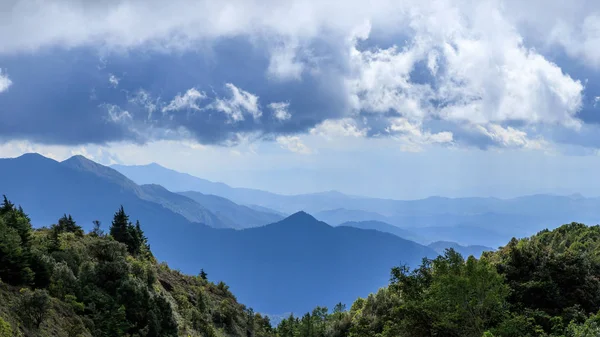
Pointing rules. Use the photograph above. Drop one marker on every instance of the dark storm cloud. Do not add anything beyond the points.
(65, 97)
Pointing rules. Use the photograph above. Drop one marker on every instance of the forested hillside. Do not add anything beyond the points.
(60, 281)
(546, 285)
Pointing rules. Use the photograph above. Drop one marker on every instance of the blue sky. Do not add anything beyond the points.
(392, 99)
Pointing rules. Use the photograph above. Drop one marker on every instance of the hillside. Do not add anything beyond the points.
(299, 262)
(232, 214)
(59, 281)
(91, 190)
(384, 227)
(546, 285)
(274, 265)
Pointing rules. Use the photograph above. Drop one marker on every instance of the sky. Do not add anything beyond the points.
(396, 99)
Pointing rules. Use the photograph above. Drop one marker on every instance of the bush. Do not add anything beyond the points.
(5, 329)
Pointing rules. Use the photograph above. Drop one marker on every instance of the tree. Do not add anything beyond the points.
(132, 236)
(5, 329)
(68, 225)
(203, 274)
(96, 230)
(14, 256)
(33, 307)
(120, 227)
(451, 296)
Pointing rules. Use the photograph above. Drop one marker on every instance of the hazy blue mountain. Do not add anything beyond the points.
(384, 227)
(185, 206)
(503, 217)
(47, 189)
(300, 262)
(182, 182)
(232, 214)
(475, 250)
(179, 204)
(461, 234)
(341, 215)
(291, 265)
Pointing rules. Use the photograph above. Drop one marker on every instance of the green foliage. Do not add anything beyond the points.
(5, 329)
(131, 235)
(97, 285)
(546, 285)
(33, 307)
(105, 286)
(15, 245)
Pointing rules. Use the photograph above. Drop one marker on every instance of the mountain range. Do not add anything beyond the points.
(466, 221)
(246, 238)
(290, 265)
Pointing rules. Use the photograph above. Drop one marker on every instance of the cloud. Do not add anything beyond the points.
(187, 101)
(413, 138)
(509, 137)
(294, 144)
(280, 110)
(113, 80)
(5, 82)
(144, 99)
(476, 69)
(117, 115)
(284, 63)
(239, 103)
(346, 127)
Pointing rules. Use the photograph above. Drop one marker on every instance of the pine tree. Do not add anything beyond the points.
(7, 206)
(120, 228)
(203, 274)
(66, 224)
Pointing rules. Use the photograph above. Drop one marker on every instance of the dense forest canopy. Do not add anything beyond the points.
(60, 281)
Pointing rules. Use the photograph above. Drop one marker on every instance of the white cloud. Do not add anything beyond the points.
(284, 64)
(294, 144)
(117, 115)
(144, 99)
(346, 127)
(187, 101)
(510, 137)
(488, 74)
(5, 82)
(239, 103)
(280, 110)
(482, 68)
(113, 80)
(413, 138)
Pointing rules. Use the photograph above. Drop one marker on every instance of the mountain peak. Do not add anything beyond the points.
(33, 156)
(301, 220)
(79, 158)
(301, 216)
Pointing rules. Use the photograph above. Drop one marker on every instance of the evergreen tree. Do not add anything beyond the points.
(203, 274)
(119, 228)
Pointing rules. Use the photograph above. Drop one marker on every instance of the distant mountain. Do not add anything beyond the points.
(300, 262)
(232, 214)
(461, 234)
(290, 265)
(465, 251)
(179, 204)
(504, 218)
(181, 182)
(185, 206)
(384, 227)
(341, 215)
(88, 191)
